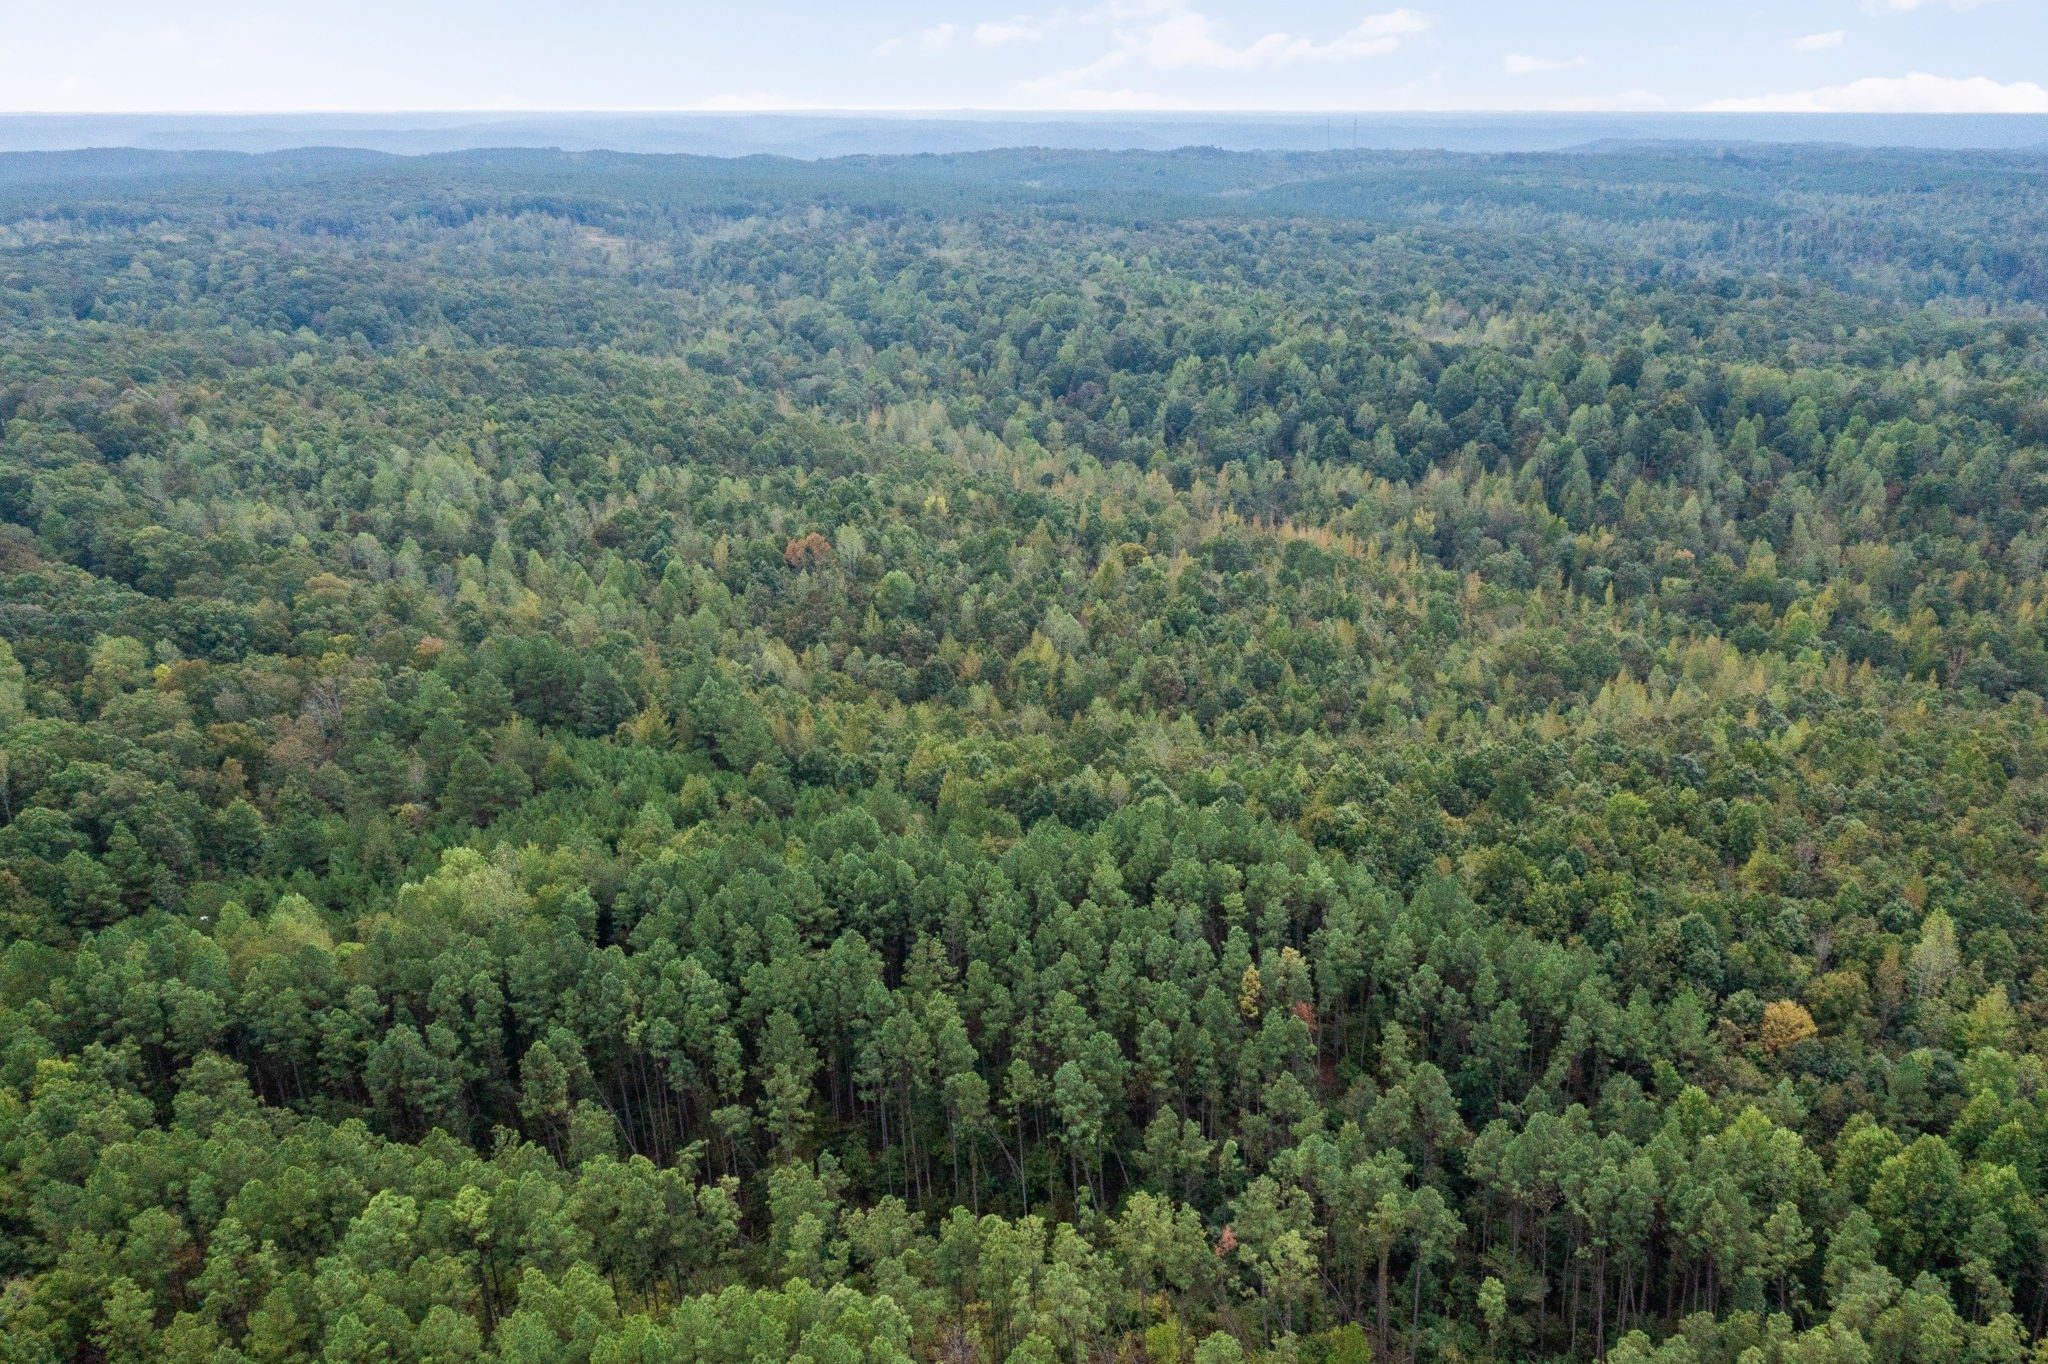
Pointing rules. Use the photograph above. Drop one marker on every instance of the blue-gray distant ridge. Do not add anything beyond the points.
(818, 135)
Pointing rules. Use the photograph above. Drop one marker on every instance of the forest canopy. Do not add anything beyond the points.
(1183, 757)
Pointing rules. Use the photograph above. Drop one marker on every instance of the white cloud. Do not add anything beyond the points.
(1820, 42)
(1168, 35)
(1522, 64)
(1918, 93)
(1081, 88)
(1907, 6)
(1373, 36)
(937, 38)
(1022, 29)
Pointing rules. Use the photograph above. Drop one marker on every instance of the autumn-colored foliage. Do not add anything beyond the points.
(1786, 1024)
(807, 550)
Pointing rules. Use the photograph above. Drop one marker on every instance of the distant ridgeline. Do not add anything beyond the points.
(829, 133)
(1024, 756)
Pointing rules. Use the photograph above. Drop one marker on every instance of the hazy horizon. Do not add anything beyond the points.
(816, 134)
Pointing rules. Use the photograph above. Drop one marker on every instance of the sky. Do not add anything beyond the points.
(1944, 56)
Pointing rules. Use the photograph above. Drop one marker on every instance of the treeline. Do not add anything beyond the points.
(602, 774)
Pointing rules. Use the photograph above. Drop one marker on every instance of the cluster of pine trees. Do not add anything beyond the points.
(1024, 758)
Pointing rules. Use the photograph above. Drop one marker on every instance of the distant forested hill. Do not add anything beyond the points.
(1022, 756)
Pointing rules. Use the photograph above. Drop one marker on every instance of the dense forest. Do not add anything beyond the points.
(1025, 757)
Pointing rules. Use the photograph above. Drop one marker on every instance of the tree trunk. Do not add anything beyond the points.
(1415, 1309)
(1380, 1346)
